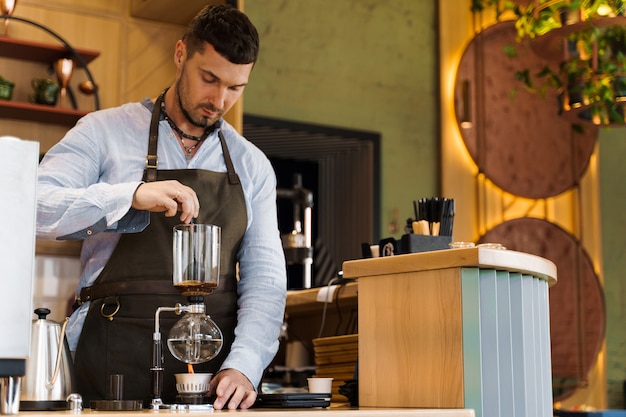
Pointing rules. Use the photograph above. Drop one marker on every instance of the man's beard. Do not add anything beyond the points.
(202, 121)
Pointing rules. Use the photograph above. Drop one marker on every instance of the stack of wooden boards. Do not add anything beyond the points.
(336, 357)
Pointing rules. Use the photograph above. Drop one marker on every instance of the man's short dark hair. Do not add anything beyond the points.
(229, 31)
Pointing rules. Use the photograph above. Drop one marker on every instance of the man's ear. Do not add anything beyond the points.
(179, 52)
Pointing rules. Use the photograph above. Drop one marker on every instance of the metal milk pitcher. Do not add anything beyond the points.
(49, 369)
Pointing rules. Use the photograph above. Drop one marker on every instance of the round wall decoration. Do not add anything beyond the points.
(516, 137)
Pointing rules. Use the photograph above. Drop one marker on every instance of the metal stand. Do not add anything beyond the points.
(156, 368)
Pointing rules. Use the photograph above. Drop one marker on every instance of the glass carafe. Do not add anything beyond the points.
(196, 258)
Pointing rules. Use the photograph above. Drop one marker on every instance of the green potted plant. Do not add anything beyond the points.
(612, 58)
(536, 21)
(6, 88)
(593, 72)
(531, 20)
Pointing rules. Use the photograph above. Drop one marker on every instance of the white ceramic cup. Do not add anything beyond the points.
(320, 385)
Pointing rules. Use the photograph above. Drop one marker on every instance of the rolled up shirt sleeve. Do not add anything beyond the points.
(79, 191)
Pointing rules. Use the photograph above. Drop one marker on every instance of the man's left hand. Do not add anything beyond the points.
(233, 390)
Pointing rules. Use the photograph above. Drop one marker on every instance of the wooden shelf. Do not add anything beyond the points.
(583, 114)
(20, 110)
(40, 52)
(550, 45)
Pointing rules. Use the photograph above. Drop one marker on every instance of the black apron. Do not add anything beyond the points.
(137, 279)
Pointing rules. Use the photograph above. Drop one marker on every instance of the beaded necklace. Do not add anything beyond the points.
(183, 135)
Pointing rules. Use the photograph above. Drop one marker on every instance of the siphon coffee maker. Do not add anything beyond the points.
(195, 338)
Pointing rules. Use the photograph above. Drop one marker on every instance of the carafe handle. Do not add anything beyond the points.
(53, 381)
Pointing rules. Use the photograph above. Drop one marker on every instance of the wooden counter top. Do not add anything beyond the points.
(335, 410)
(481, 257)
(308, 300)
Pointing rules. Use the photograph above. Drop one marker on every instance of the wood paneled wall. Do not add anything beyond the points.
(136, 57)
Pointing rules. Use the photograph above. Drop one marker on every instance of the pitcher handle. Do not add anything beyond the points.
(53, 381)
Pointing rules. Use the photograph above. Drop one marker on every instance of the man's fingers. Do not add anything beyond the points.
(233, 390)
(187, 203)
(170, 197)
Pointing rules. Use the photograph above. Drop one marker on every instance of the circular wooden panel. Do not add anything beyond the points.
(520, 143)
(577, 311)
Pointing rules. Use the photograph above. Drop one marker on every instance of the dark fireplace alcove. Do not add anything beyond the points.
(341, 168)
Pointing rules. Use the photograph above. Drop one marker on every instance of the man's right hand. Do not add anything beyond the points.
(167, 196)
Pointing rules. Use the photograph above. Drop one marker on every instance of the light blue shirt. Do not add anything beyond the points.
(86, 186)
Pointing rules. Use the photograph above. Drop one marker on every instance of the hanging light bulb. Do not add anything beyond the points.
(604, 10)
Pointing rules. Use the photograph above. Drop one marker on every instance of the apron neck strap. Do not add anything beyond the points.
(152, 160)
(233, 178)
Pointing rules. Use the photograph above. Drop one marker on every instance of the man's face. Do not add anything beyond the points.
(207, 84)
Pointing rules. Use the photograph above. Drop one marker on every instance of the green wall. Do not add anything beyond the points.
(356, 64)
(613, 203)
(372, 65)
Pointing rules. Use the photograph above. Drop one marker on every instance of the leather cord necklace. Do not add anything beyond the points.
(183, 135)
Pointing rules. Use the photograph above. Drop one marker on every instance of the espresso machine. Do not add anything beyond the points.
(18, 187)
(195, 338)
(297, 244)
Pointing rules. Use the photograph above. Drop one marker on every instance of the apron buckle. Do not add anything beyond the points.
(152, 161)
(110, 304)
